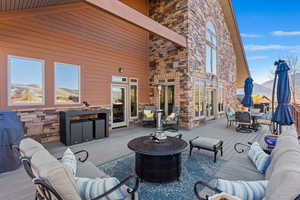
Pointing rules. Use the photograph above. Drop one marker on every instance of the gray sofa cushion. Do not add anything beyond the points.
(239, 168)
(285, 143)
(284, 182)
(284, 170)
(89, 170)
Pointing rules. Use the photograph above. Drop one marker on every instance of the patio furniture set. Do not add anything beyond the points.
(157, 160)
(279, 177)
(248, 121)
(169, 122)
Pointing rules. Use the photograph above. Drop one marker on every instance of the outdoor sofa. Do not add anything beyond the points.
(53, 180)
(283, 173)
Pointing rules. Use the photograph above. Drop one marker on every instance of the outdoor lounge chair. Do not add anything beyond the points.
(230, 116)
(171, 122)
(148, 115)
(283, 173)
(244, 122)
(53, 181)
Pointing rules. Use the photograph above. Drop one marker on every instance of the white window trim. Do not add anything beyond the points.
(212, 47)
(199, 81)
(221, 98)
(79, 86)
(126, 110)
(9, 81)
(137, 96)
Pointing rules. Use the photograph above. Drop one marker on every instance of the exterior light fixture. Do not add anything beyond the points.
(121, 70)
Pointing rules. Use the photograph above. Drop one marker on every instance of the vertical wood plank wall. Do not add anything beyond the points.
(97, 41)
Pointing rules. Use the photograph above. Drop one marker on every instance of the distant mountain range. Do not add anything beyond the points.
(267, 87)
(32, 93)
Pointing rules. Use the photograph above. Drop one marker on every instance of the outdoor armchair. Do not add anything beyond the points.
(244, 122)
(172, 120)
(53, 181)
(230, 116)
(149, 115)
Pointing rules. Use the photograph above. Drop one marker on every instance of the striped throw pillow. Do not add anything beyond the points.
(251, 190)
(70, 161)
(91, 188)
(260, 159)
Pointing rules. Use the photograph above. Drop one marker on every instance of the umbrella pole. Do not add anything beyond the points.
(280, 130)
(273, 99)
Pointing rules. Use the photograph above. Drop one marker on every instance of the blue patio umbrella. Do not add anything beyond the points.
(248, 88)
(283, 114)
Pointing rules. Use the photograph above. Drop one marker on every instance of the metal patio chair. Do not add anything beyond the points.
(45, 191)
(230, 116)
(171, 122)
(244, 121)
(149, 115)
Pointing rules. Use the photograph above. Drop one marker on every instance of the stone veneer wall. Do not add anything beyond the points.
(42, 124)
(201, 12)
(167, 60)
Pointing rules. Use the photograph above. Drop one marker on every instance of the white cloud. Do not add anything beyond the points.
(257, 57)
(286, 33)
(246, 35)
(252, 47)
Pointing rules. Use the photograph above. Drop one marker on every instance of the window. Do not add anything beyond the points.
(67, 83)
(211, 53)
(133, 97)
(221, 99)
(25, 81)
(199, 97)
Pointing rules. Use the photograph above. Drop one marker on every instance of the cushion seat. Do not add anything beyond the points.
(231, 118)
(169, 122)
(244, 123)
(148, 119)
(207, 143)
(240, 168)
(89, 170)
(264, 122)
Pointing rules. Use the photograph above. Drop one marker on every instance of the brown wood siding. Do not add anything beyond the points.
(97, 41)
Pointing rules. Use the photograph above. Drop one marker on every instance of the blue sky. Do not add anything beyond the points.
(27, 71)
(270, 29)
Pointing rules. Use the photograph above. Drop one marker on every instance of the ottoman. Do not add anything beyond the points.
(209, 144)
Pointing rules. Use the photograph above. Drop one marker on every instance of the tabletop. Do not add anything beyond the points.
(145, 145)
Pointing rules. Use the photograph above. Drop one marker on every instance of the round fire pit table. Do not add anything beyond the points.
(158, 162)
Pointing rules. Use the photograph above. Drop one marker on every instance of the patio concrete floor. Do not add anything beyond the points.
(17, 186)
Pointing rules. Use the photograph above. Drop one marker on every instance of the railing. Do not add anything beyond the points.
(296, 112)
